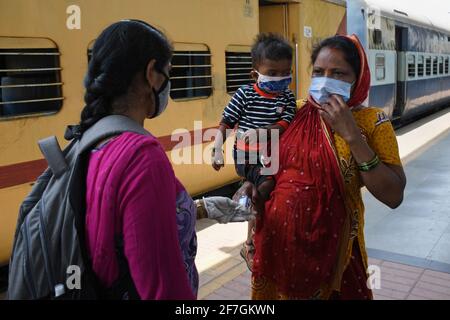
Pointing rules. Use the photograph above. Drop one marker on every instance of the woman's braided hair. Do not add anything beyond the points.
(121, 51)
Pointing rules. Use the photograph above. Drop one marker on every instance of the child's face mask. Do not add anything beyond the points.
(273, 84)
(323, 87)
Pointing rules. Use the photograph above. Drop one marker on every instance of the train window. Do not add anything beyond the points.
(238, 61)
(428, 66)
(377, 36)
(411, 66)
(420, 66)
(435, 65)
(446, 65)
(380, 67)
(30, 79)
(441, 65)
(190, 75)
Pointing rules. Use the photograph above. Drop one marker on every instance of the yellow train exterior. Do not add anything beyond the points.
(215, 35)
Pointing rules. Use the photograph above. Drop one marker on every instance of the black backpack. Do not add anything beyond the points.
(49, 258)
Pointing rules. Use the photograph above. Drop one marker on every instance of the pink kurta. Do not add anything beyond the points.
(132, 191)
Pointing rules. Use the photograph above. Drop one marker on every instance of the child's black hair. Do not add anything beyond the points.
(270, 46)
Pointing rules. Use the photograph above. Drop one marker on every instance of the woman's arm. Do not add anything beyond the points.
(386, 182)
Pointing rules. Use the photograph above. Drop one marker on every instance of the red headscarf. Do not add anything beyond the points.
(298, 238)
(362, 87)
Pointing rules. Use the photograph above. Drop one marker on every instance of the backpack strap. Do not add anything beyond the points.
(52, 152)
(106, 127)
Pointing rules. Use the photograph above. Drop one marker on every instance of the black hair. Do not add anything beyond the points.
(270, 46)
(344, 44)
(120, 52)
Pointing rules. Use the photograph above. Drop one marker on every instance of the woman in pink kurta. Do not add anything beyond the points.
(132, 192)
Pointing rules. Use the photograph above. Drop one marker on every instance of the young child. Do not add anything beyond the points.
(267, 105)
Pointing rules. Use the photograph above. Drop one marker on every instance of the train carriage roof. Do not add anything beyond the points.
(433, 14)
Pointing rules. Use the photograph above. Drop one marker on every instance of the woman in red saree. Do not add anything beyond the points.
(309, 240)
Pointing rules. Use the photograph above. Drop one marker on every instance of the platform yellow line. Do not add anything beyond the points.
(224, 278)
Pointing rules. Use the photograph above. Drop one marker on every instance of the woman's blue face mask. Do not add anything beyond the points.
(323, 87)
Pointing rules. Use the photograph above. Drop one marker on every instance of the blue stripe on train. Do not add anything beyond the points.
(421, 96)
(424, 95)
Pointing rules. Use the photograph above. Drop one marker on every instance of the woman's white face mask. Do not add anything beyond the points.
(323, 87)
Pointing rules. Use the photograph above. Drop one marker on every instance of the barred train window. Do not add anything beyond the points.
(446, 65)
(238, 66)
(380, 67)
(411, 66)
(435, 65)
(190, 75)
(441, 65)
(30, 79)
(420, 66)
(428, 66)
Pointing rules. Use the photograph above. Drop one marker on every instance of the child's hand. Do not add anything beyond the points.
(217, 160)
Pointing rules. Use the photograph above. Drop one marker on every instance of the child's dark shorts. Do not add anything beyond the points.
(250, 167)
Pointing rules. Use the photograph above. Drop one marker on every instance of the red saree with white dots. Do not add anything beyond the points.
(302, 239)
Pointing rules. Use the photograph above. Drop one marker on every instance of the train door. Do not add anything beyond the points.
(401, 41)
(275, 17)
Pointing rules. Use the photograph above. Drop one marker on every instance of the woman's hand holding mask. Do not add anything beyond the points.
(337, 114)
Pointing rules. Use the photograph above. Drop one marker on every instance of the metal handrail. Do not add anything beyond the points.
(190, 77)
(191, 88)
(237, 74)
(239, 63)
(30, 70)
(237, 80)
(235, 86)
(32, 85)
(30, 101)
(30, 54)
(238, 68)
(193, 54)
(192, 66)
(239, 57)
